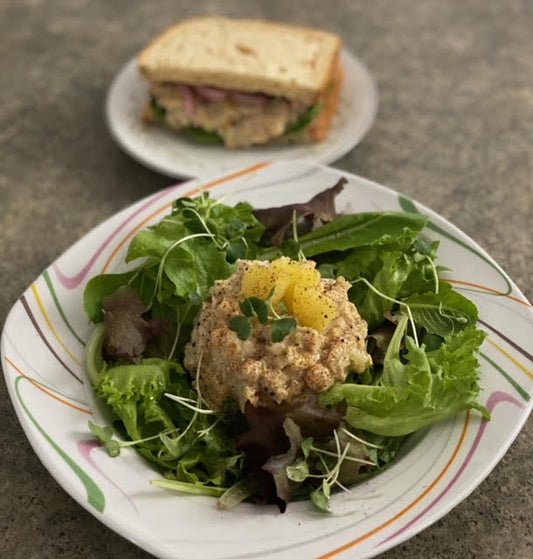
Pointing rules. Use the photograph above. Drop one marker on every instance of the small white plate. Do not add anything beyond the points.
(170, 154)
(42, 355)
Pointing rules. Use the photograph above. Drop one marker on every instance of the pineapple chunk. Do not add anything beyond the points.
(281, 274)
(297, 284)
(312, 307)
(299, 273)
(258, 281)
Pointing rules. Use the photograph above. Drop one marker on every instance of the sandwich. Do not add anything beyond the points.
(243, 82)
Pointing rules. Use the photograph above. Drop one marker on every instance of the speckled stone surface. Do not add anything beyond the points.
(454, 131)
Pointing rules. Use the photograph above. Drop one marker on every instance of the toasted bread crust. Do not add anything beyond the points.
(329, 98)
(244, 55)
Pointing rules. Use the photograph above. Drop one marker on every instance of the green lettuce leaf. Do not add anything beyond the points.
(159, 111)
(417, 388)
(442, 313)
(392, 229)
(386, 271)
(389, 271)
(133, 392)
(182, 257)
(100, 287)
(202, 136)
(304, 120)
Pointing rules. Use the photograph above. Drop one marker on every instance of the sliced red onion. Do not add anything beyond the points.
(211, 93)
(188, 98)
(251, 99)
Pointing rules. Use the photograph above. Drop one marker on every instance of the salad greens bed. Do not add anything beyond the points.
(422, 337)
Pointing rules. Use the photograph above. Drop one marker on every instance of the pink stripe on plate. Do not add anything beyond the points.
(494, 399)
(85, 448)
(71, 282)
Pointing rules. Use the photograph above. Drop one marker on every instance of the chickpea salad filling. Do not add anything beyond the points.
(279, 354)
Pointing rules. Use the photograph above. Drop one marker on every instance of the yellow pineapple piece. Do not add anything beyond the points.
(312, 307)
(258, 281)
(299, 273)
(297, 284)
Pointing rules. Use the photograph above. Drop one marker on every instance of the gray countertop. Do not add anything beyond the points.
(454, 131)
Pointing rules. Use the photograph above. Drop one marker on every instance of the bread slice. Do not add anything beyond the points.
(318, 128)
(296, 63)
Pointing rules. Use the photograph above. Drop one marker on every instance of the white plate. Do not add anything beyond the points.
(42, 351)
(167, 152)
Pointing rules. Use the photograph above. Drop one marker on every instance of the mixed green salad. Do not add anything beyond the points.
(422, 337)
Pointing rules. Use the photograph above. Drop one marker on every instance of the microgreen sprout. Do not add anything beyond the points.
(299, 470)
(264, 311)
(330, 477)
(204, 432)
(334, 473)
(204, 225)
(359, 440)
(113, 446)
(301, 255)
(392, 300)
(241, 325)
(453, 317)
(434, 271)
(185, 402)
(197, 404)
(161, 267)
(348, 458)
(179, 322)
(282, 328)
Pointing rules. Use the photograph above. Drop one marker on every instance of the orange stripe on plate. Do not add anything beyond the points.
(207, 186)
(490, 290)
(47, 392)
(409, 507)
(511, 358)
